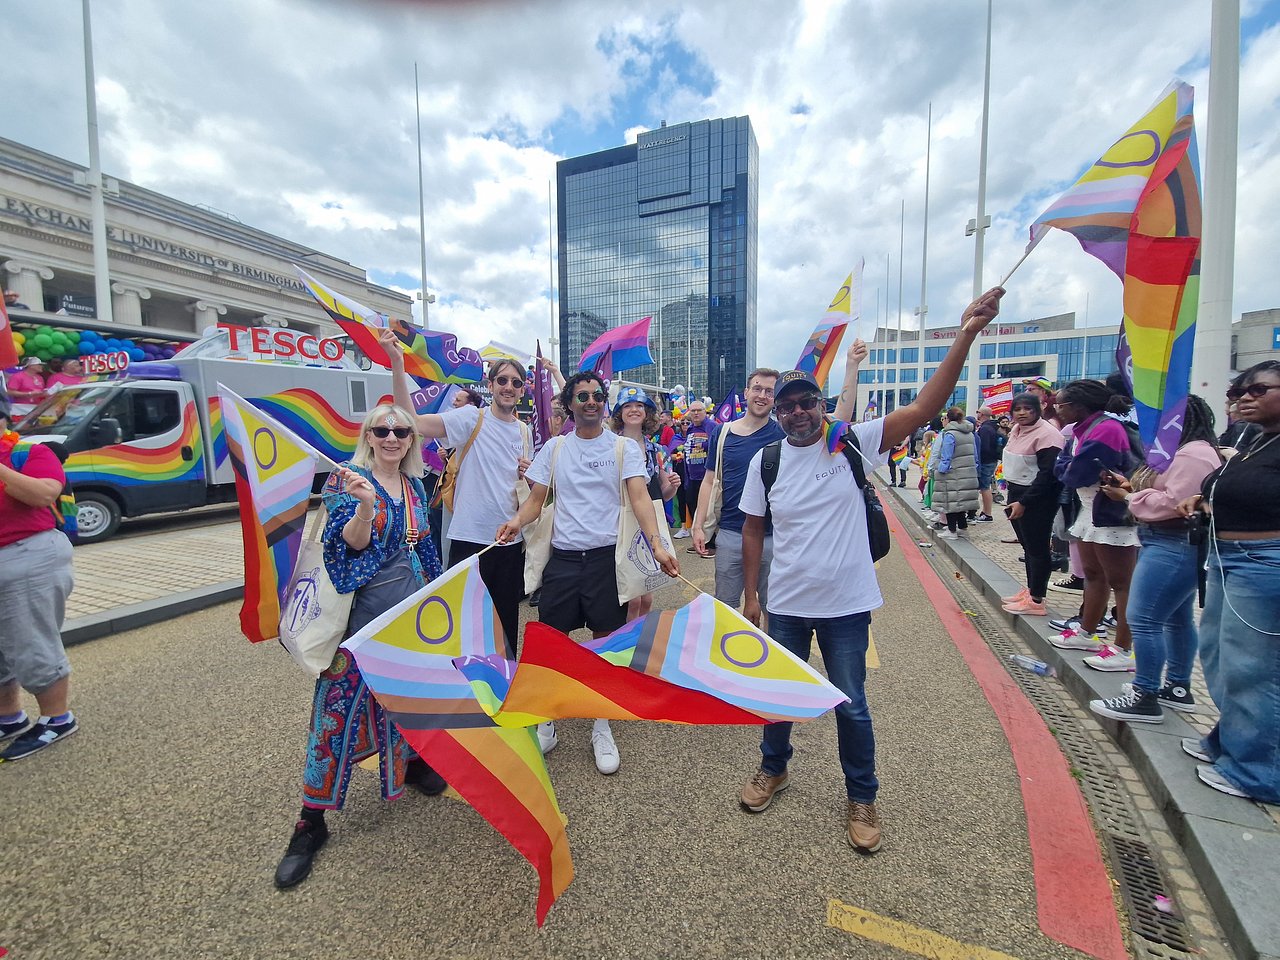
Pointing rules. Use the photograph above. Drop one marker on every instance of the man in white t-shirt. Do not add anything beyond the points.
(490, 467)
(579, 584)
(822, 579)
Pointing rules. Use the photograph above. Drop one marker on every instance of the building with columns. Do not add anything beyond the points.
(176, 268)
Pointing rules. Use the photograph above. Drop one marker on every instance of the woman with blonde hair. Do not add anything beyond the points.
(377, 545)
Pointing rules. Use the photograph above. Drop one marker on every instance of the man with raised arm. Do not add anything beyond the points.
(823, 579)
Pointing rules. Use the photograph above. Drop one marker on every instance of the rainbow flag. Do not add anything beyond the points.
(274, 469)
(898, 457)
(833, 432)
(819, 353)
(702, 663)
(406, 657)
(1137, 209)
(428, 355)
(629, 344)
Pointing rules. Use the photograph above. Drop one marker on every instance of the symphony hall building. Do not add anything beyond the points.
(176, 269)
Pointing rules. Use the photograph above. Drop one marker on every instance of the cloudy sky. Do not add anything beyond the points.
(297, 116)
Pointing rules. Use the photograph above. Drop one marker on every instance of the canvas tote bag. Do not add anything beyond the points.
(711, 522)
(537, 535)
(314, 618)
(638, 572)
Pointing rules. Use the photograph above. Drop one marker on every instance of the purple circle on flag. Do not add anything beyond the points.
(448, 630)
(764, 648)
(1155, 150)
(268, 464)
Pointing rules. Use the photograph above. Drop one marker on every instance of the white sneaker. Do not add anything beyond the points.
(1112, 660)
(1209, 775)
(948, 535)
(681, 534)
(1077, 640)
(547, 738)
(605, 750)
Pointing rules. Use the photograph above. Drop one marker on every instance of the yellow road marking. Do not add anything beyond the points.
(873, 656)
(904, 936)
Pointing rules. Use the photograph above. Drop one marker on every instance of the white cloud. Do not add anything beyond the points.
(298, 118)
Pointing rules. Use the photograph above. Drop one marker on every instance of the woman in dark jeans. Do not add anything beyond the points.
(1029, 457)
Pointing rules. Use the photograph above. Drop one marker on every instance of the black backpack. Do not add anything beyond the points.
(877, 523)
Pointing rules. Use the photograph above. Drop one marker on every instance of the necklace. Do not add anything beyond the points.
(1257, 446)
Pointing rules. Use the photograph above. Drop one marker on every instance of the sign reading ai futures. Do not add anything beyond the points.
(174, 251)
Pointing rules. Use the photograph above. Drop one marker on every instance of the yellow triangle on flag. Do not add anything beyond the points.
(739, 647)
(271, 451)
(1135, 154)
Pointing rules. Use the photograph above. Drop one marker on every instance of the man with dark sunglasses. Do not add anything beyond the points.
(823, 580)
(493, 448)
(579, 583)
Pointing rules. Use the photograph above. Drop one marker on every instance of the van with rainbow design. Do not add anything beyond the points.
(152, 441)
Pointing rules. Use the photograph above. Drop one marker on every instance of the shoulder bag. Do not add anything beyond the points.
(711, 522)
(449, 482)
(638, 572)
(537, 535)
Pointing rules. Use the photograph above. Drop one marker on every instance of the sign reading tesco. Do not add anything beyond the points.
(283, 344)
(96, 364)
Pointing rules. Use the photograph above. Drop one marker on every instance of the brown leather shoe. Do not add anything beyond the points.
(759, 791)
(864, 827)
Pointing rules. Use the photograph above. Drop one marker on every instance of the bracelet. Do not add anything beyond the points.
(364, 519)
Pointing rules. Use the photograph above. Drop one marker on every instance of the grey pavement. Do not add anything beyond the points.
(155, 831)
(1232, 844)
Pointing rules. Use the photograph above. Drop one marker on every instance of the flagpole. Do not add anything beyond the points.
(897, 344)
(1211, 362)
(422, 207)
(922, 311)
(980, 222)
(551, 270)
(101, 270)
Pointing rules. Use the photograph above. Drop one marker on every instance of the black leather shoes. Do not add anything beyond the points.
(419, 775)
(306, 841)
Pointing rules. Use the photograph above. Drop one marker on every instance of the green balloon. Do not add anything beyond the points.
(46, 329)
(58, 349)
(42, 340)
(73, 336)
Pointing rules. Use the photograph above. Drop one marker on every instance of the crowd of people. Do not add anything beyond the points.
(1145, 548)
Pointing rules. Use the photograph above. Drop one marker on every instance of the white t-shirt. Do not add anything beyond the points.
(586, 487)
(486, 493)
(821, 560)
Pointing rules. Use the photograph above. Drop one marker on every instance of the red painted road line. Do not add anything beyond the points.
(1074, 897)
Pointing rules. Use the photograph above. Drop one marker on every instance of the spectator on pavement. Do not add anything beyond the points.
(823, 580)
(955, 474)
(377, 545)
(697, 447)
(987, 441)
(1042, 389)
(1162, 595)
(1029, 459)
(492, 448)
(1239, 632)
(36, 579)
(1098, 452)
(579, 584)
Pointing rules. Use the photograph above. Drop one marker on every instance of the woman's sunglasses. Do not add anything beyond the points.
(382, 433)
(582, 396)
(1255, 390)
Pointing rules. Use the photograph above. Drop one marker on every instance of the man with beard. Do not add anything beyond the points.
(493, 448)
(579, 584)
(822, 579)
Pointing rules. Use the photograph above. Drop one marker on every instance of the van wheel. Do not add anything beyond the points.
(97, 517)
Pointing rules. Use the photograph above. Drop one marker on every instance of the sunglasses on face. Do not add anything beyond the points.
(788, 407)
(507, 381)
(382, 433)
(1255, 390)
(582, 396)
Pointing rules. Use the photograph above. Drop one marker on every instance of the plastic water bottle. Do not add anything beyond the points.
(1032, 664)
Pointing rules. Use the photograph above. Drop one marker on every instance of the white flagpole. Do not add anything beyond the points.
(101, 270)
(422, 208)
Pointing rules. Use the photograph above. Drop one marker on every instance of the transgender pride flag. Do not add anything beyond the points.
(629, 343)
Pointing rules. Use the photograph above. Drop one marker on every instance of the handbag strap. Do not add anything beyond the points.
(470, 440)
(618, 450)
(411, 531)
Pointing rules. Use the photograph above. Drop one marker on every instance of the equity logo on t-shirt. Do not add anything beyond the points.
(841, 466)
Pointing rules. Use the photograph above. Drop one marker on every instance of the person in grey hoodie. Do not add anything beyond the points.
(955, 489)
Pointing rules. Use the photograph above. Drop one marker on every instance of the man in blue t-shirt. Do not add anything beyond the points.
(698, 437)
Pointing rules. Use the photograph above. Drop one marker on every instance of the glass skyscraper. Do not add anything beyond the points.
(665, 228)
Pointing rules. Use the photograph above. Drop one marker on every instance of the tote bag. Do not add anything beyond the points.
(711, 522)
(537, 535)
(638, 572)
(314, 618)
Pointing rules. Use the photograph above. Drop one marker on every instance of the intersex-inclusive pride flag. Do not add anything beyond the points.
(702, 663)
(406, 657)
(428, 355)
(629, 344)
(1137, 209)
(274, 469)
(819, 353)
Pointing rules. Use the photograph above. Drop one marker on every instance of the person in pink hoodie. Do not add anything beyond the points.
(1162, 593)
(1029, 458)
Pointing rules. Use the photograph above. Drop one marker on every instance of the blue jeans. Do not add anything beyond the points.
(843, 642)
(1241, 655)
(1161, 609)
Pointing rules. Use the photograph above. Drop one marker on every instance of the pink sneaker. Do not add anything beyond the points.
(1027, 607)
(1023, 594)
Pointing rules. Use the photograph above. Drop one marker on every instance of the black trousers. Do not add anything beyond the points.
(1033, 531)
(502, 570)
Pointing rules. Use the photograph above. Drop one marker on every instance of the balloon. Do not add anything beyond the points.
(73, 336)
(43, 340)
(168, 352)
(113, 343)
(86, 349)
(19, 338)
(45, 328)
(136, 354)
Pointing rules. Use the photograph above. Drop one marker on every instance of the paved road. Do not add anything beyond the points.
(156, 830)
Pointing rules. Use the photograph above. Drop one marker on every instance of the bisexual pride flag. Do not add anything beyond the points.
(628, 345)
